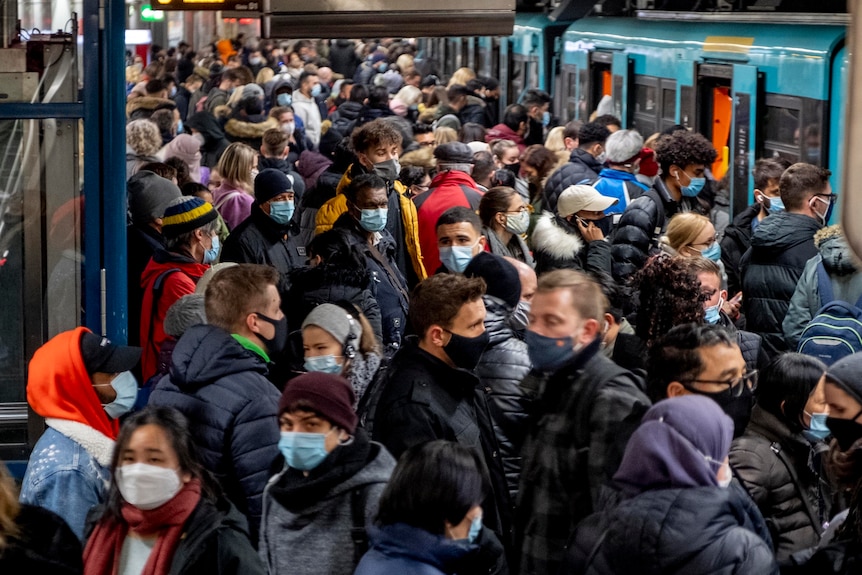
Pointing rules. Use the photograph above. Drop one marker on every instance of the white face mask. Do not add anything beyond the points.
(147, 486)
(726, 478)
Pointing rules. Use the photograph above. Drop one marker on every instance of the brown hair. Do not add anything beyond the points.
(237, 291)
(9, 508)
(587, 296)
(494, 201)
(373, 134)
(438, 299)
(801, 181)
(274, 141)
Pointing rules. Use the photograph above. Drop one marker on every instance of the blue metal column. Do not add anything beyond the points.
(91, 93)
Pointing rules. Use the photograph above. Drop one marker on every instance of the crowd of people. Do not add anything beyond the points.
(377, 329)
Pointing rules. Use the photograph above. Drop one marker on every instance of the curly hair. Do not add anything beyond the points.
(669, 296)
(143, 137)
(683, 148)
(375, 133)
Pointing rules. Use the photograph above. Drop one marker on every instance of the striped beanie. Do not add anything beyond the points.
(185, 214)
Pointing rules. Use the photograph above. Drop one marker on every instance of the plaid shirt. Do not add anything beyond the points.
(566, 477)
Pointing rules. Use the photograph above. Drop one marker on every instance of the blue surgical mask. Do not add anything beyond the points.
(475, 528)
(126, 387)
(817, 430)
(457, 258)
(693, 188)
(315, 91)
(281, 212)
(776, 205)
(179, 126)
(323, 364)
(373, 220)
(284, 99)
(303, 451)
(713, 252)
(713, 314)
(549, 353)
(173, 91)
(823, 217)
(546, 118)
(382, 67)
(211, 255)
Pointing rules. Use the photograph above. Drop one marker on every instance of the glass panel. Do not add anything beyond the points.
(646, 125)
(814, 141)
(782, 125)
(583, 104)
(668, 104)
(645, 102)
(533, 78)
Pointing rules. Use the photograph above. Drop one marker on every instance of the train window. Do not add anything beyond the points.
(668, 104)
(567, 96)
(645, 102)
(533, 73)
(686, 106)
(517, 74)
(782, 125)
(794, 129)
(583, 103)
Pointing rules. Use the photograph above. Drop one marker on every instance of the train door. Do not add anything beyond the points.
(566, 97)
(715, 111)
(523, 75)
(748, 90)
(623, 80)
(601, 82)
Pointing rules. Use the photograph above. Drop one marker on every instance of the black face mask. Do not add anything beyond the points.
(465, 352)
(514, 168)
(279, 339)
(845, 431)
(737, 408)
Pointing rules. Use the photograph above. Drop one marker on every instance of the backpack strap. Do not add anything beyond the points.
(824, 285)
(812, 516)
(358, 533)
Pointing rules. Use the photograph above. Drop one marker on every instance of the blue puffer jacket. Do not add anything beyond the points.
(400, 549)
(232, 408)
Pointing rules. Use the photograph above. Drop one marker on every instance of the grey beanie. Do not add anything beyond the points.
(847, 374)
(149, 196)
(335, 320)
(184, 313)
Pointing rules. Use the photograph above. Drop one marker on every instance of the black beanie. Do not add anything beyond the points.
(846, 373)
(500, 276)
(270, 183)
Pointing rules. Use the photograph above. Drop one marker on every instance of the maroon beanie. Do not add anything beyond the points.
(329, 396)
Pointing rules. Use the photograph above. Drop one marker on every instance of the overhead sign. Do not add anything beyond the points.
(235, 5)
(150, 15)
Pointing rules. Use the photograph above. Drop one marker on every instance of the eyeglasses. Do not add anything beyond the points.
(707, 243)
(734, 389)
(528, 208)
(831, 198)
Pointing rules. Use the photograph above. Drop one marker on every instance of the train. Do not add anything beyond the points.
(757, 85)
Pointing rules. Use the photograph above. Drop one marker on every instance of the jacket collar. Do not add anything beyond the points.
(272, 230)
(454, 379)
(580, 156)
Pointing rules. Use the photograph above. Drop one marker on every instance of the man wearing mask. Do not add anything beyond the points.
(585, 163)
(305, 105)
(430, 390)
(586, 405)
(218, 381)
(452, 186)
(538, 104)
(81, 384)
(377, 146)
(365, 223)
(780, 247)
(459, 239)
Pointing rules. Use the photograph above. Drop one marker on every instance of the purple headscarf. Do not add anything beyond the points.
(681, 442)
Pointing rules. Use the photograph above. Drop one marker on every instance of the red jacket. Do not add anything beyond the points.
(448, 189)
(504, 132)
(173, 286)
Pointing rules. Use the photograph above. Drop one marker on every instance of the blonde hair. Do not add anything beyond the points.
(461, 76)
(9, 508)
(143, 137)
(684, 228)
(555, 140)
(445, 135)
(264, 75)
(235, 166)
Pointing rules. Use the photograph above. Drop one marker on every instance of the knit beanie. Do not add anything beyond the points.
(185, 214)
(149, 196)
(500, 276)
(329, 396)
(270, 183)
(846, 373)
(336, 321)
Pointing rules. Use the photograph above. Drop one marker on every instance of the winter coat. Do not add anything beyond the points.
(309, 112)
(215, 142)
(734, 243)
(791, 503)
(343, 59)
(557, 244)
(44, 544)
(582, 166)
(473, 112)
(780, 247)
(310, 166)
(516, 248)
(369, 114)
(401, 222)
(621, 185)
(249, 130)
(174, 285)
(345, 116)
(141, 243)
(448, 189)
(307, 521)
(574, 446)
(143, 107)
(682, 531)
(504, 364)
(233, 204)
(221, 387)
(504, 132)
(845, 278)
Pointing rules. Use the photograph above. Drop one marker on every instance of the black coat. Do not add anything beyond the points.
(343, 59)
(344, 117)
(582, 166)
(780, 247)
(215, 142)
(44, 544)
(141, 243)
(734, 243)
(557, 244)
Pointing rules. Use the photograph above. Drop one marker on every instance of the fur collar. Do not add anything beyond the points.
(98, 445)
(248, 130)
(550, 238)
(147, 103)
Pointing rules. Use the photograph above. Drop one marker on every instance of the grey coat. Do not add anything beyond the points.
(516, 248)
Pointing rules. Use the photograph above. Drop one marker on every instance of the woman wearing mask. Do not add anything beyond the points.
(679, 517)
(690, 235)
(778, 457)
(316, 507)
(338, 339)
(436, 530)
(507, 156)
(505, 219)
(537, 164)
(164, 514)
(238, 169)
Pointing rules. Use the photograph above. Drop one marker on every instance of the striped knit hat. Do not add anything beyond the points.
(186, 214)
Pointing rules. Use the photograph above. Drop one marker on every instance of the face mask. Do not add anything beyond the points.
(211, 255)
(388, 170)
(549, 353)
(713, 252)
(373, 220)
(179, 127)
(200, 138)
(813, 155)
(817, 429)
(601, 158)
(323, 364)
(518, 224)
(382, 67)
(465, 352)
(712, 313)
(737, 408)
(147, 486)
(315, 91)
(514, 168)
(126, 387)
(724, 482)
(254, 61)
(824, 217)
(288, 128)
(546, 119)
(173, 91)
(254, 172)
(845, 431)
(284, 99)
(303, 451)
(475, 528)
(519, 319)
(693, 188)
(281, 212)
(276, 344)
(457, 258)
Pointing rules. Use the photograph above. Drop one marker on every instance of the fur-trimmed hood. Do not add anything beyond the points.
(241, 129)
(550, 237)
(149, 104)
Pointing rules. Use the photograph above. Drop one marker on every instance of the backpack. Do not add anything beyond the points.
(836, 330)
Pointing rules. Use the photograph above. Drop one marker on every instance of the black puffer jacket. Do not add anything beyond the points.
(695, 530)
(504, 364)
(736, 241)
(780, 247)
(582, 166)
(344, 117)
(557, 244)
(791, 506)
(221, 387)
(215, 141)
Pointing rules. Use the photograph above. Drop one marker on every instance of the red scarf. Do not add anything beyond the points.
(102, 553)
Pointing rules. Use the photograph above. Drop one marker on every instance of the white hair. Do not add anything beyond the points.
(623, 145)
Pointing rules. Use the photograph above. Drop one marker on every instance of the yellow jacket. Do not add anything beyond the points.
(333, 208)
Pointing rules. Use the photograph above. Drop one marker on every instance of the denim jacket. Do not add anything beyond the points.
(68, 471)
